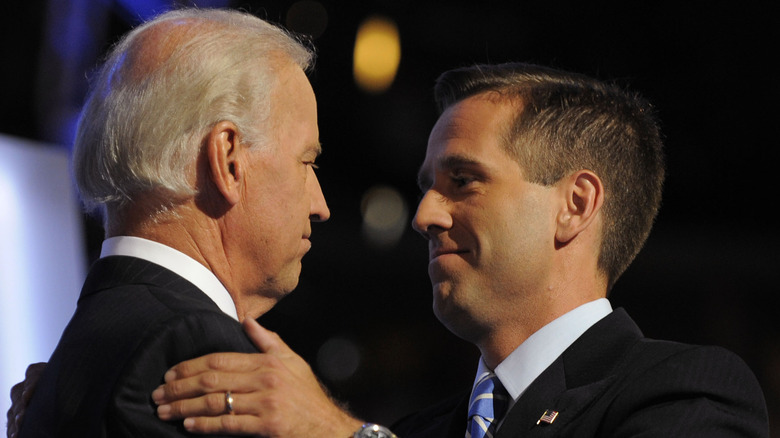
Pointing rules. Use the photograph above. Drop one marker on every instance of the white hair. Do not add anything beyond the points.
(142, 127)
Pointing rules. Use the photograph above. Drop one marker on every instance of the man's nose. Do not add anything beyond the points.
(319, 207)
(431, 214)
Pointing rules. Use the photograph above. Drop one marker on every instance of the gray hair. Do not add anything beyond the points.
(151, 107)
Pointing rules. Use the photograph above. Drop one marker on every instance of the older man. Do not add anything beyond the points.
(539, 188)
(198, 144)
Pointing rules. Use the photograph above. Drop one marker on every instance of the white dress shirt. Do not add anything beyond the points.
(541, 349)
(173, 260)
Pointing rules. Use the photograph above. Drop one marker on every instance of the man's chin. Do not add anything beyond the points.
(276, 289)
(288, 280)
(445, 310)
(456, 317)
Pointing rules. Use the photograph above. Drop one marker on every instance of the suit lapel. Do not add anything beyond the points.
(541, 394)
(573, 381)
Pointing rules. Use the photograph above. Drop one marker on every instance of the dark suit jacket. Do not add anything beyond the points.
(134, 320)
(614, 382)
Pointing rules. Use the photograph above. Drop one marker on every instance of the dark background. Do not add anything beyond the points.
(708, 274)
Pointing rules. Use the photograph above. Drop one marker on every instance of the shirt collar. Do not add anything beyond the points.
(541, 349)
(175, 261)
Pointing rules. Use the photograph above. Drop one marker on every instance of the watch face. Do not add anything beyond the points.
(374, 431)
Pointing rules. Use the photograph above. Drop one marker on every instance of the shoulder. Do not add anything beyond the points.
(687, 390)
(660, 388)
(194, 333)
(616, 346)
(131, 306)
(121, 340)
(131, 412)
(688, 367)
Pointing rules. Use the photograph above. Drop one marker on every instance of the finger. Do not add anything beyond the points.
(225, 424)
(211, 405)
(34, 370)
(228, 362)
(265, 376)
(180, 389)
(265, 340)
(11, 417)
(17, 392)
(207, 382)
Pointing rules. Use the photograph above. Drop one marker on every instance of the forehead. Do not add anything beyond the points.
(294, 109)
(474, 129)
(292, 94)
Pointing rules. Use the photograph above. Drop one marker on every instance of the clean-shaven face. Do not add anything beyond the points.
(490, 232)
(283, 193)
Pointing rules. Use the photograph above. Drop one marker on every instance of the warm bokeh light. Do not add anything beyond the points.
(377, 54)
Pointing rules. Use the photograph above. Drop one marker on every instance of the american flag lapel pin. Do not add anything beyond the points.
(548, 417)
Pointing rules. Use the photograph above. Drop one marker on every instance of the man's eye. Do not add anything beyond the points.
(462, 180)
(312, 164)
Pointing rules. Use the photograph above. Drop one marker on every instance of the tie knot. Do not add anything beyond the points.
(488, 403)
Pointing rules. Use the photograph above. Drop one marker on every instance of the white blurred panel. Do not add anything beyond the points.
(42, 256)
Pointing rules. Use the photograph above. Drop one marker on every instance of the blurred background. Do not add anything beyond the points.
(361, 316)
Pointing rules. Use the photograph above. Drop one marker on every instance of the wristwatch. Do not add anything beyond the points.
(371, 430)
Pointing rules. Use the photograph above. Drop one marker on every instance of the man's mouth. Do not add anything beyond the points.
(445, 251)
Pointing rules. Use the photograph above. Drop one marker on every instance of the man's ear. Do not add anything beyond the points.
(584, 196)
(225, 169)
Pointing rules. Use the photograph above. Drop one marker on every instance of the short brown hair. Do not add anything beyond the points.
(567, 122)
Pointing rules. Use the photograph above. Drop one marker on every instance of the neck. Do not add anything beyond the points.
(200, 237)
(573, 286)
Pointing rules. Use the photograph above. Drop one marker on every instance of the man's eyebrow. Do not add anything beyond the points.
(448, 162)
(316, 148)
(457, 160)
(423, 182)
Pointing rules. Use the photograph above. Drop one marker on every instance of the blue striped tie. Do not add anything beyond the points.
(487, 405)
